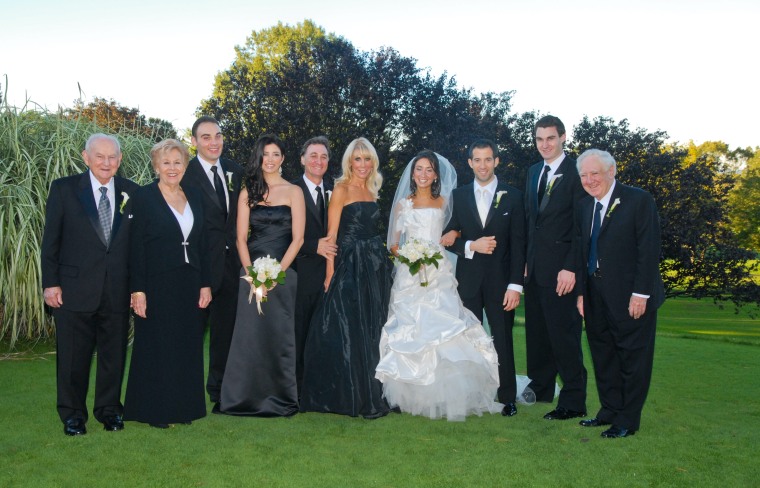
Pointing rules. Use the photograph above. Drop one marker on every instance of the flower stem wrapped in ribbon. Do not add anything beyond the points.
(417, 254)
(262, 275)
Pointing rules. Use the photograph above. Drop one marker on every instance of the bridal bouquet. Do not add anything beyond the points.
(417, 254)
(263, 274)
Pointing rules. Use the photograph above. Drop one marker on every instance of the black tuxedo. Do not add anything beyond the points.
(483, 280)
(552, 323)
(225, 262)
(311, 268)
(622, 348)
(93, 277)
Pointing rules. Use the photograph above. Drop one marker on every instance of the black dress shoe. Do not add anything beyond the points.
(113, 423)
(509, 410)
(74, 427)
(160, 426)
(615, 432)
(595, 422)
(216, 408)
(561, 413)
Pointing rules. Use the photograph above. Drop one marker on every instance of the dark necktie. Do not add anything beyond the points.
(542, 183)
(104, 213)
(321, 206)
(220, 190)
(595, 226)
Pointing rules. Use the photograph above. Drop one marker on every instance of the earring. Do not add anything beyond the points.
(280, 169)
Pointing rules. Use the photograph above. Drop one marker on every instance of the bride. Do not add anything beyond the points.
(436, 358)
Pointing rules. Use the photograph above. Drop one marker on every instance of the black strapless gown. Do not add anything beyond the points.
(342, 349)
(260, 377)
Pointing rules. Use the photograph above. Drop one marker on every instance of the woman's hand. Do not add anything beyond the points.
(139, 303)
(205, 297)
(448, 238)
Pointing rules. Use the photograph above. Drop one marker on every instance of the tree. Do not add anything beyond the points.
(118, 118)
(745, 204)
(701, 256)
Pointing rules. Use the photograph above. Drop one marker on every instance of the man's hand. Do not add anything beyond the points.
(484, 245)
(579, 304)
(448, 238)
(53, 296)
(565, 282)
(637, 306)
(511, 299)
(326, 249)
(205, 297)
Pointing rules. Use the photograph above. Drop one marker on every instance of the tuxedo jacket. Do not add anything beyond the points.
(156, 241)
(505, 221)
(310, 266)
(74, 253)
(221, 231)
(628, 249)
(551, 235)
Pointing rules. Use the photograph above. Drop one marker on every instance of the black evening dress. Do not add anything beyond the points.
(165, 384)
(260, 377)
(342, 348)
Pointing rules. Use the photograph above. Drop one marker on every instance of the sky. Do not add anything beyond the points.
(685, 67)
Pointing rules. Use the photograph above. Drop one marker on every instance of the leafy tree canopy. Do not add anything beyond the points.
(118, 118)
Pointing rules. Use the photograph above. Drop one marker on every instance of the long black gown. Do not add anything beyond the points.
(260, 377)
(342, 349)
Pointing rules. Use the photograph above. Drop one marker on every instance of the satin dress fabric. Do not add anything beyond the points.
(260, 376)
(436, 360)
(342, 348)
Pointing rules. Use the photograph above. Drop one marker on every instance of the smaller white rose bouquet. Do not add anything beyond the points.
(263, 274)
(418, 254)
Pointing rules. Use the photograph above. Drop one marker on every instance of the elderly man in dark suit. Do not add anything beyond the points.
(85, 280)
(620, 291)
(552, 323)
(316, 250)
(490, 219)
(218, 181)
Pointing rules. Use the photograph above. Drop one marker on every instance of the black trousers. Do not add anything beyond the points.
(306, 305)
(220, 315)
(623, 353)
(553, 330)
(78, 335)
(501, 323)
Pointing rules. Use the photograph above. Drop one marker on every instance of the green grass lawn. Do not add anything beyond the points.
(701, 427)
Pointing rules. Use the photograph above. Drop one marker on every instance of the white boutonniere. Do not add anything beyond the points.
(229, 180)
(328, 194)
(499, 194)
(612, 207)
(550, 186)
(124, 199)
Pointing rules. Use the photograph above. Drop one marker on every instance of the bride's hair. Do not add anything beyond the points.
(364, 148)
(254, 176)
(435, 188)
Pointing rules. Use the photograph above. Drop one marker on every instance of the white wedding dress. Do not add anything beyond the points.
(436, 360)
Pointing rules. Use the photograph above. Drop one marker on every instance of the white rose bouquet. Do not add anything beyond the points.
(417, 254)
(263, 274)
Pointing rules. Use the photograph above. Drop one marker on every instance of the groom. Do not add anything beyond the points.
(490, 219)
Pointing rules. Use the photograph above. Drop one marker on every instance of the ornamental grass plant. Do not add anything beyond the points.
(36, 147)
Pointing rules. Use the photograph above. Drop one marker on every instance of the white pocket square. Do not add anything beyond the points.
(130, 216)
(505, 213)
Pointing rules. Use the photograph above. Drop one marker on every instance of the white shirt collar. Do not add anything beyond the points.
(313, 188)
(554, 165)
(207, 166)
(96, 186)
(490, 187)
(605, 201)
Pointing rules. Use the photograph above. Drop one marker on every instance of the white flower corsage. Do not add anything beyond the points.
(328, 194)
(229, 180)
(124, 199)
(612, 207)
(499, 194)
(551, 184)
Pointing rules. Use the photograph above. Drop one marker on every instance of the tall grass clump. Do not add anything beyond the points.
(36, 147)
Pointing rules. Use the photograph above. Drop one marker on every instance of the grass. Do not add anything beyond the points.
(700, 428)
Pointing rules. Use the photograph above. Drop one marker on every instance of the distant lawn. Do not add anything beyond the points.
(700, 428)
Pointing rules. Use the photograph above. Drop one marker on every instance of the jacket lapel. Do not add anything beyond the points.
(610, 212)
(470, 199)
(87, 199)
(196, 171)
(117, 216)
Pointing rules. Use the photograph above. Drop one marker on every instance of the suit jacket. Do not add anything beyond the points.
(628, 249)
(156, 241)
(74, 253)
(551, 242)
(505, 221)
(311, 267)
(221, 231)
